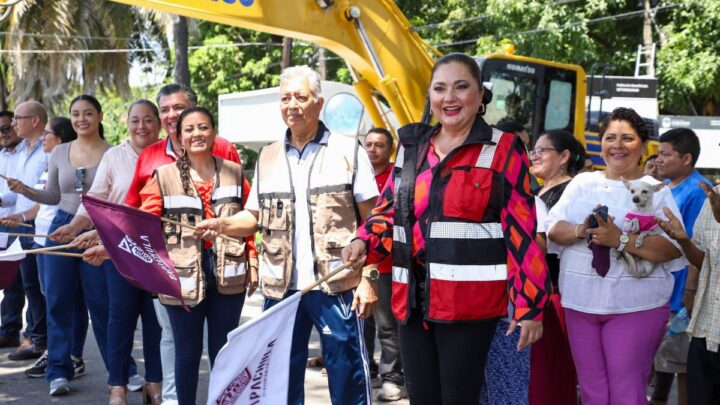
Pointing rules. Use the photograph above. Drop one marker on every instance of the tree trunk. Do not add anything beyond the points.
(322, 63)
(181, 72)
(286, 58)
(3, 90)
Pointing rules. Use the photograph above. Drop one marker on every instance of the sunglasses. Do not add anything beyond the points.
(6, 129)
(80, 179)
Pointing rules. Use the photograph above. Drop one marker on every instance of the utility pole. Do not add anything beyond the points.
(647, 37)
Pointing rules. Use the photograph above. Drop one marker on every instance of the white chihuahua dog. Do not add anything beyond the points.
(642, 222)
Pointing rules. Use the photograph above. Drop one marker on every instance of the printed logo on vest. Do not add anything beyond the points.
(131, 247)
(326, 330)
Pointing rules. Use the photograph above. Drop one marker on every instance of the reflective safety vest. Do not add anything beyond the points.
(465, 268)
(185, 249)
(332, 213)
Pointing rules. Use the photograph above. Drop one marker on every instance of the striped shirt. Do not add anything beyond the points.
(705, 322)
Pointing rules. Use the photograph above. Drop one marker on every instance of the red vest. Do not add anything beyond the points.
(465, 254)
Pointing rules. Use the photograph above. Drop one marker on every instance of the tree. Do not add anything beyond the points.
(181, 72)
(60, 31)
(687, 61)
(235, 59)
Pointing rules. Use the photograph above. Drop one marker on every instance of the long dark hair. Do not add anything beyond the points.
(96, 104)
(62, 127)
(183, 164)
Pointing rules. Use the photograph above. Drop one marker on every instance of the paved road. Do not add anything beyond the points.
(15, 388)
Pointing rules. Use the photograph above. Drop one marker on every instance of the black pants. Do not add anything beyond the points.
(703, 374)
(444, 363)
(384, 323)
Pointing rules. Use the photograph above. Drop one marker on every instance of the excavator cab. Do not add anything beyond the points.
(539, 95)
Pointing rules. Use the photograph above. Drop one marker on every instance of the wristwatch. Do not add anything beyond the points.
(371, 273)
(624, 239)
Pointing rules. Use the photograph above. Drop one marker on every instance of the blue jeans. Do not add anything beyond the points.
(37, 323)
(80, 313)
(60, 279)
(343, 347)
(223, 315)
(127, 302)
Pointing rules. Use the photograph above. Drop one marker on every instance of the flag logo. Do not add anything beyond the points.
(131, 247)
(236, 387)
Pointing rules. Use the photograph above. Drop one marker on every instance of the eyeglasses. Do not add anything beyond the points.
(6, 129)
(539, 151)
(80, 179)
(44, 133)
(20, 117)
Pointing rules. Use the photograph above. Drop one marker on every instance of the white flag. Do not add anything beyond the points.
(14, 253)
(254, 365)
(4, 239)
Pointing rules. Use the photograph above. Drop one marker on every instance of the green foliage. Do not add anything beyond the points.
(585, 32)
(689, 63)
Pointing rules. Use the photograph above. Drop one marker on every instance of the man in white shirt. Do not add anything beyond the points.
(13, 298)
(310, 191)
(29, 122)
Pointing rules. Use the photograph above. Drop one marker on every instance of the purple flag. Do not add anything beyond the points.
(135, 243)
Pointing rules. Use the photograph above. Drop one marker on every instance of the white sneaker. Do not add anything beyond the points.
(59, 386)
(391, 392)
(135, 382)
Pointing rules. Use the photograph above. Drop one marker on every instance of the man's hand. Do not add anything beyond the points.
(96, 255)
(714, 198)
(365, 299)
(209, 229)
(12, 221)
(672, 226)
(354, 253)
(530, 332)
(87, 240)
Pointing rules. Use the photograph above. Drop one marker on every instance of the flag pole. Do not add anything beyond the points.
(194, 228)
(61, 254)
(49, 249)
(326, 278)
(28, 189)
(30, 235)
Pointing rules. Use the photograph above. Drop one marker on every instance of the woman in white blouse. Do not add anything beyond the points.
(615, 321)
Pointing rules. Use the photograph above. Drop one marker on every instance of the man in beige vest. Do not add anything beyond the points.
(310, 192)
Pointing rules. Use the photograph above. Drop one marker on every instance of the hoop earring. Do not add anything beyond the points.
(481, 111)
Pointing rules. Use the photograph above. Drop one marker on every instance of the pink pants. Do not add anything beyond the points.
(613, 353)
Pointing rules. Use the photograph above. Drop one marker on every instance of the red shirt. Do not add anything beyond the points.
(158, 154)
(385, 266)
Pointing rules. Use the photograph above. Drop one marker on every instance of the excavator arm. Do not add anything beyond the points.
(372, 36)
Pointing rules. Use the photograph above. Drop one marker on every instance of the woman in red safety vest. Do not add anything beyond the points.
(458, 217)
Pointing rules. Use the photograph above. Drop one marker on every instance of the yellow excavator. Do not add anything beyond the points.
(391, 62)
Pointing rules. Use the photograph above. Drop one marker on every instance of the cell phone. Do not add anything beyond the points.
(602, 212)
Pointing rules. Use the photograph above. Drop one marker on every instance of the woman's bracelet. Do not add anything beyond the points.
(577, 235)
(24, 218)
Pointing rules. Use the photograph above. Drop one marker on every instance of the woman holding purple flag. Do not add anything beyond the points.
(127, 302)
(615, 320)
(71, 171)
(214, 272)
